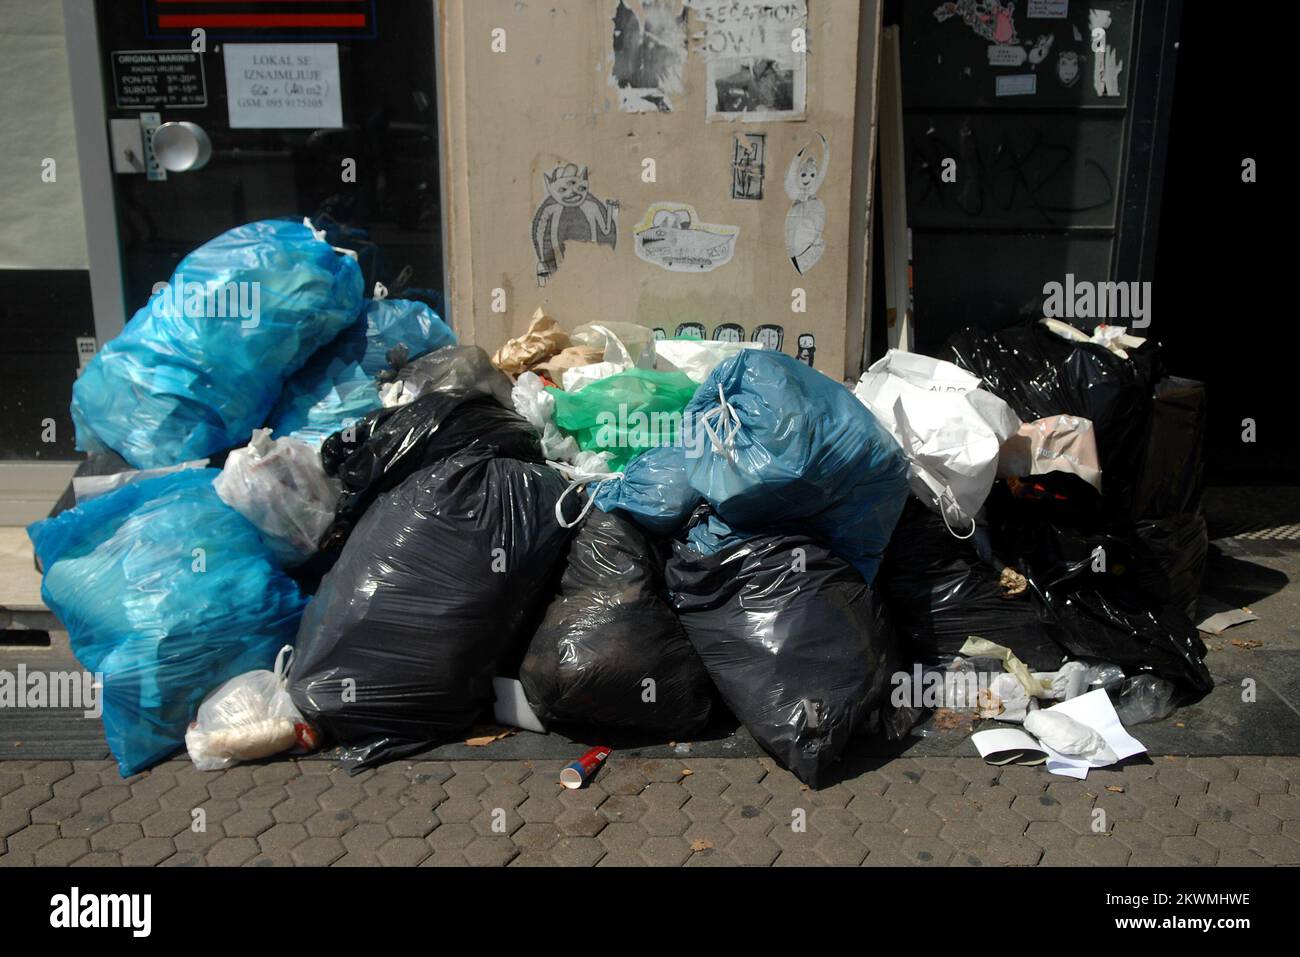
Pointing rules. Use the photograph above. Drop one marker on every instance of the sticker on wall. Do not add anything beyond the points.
(671, 236)
(1017, 84)
(807, 347)
(756, 58)
(1067, 67)
(283, 86)
(806, 221)
(1049, 9)
(990, 19)
(769, 336)
(1041, 48)
(748, 163)
(1106, 65)
(569, 213)
(1007, 54)
(649, 58)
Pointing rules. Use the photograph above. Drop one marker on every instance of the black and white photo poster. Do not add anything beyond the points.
(756, 57)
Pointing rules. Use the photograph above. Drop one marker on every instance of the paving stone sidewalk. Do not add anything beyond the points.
(913, 811)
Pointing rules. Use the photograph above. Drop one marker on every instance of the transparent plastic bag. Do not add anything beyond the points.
(249, 717)
(1145, 698)
(280, 486)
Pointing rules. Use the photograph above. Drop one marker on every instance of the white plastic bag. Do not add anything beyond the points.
(696, 357)
(249, 717)
(535, 404)
(949, 428)
(280, 486)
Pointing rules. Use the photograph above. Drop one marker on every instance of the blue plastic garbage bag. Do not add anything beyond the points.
(337, 385)
(654, 491)
(788, 449)
(167, 592)
(202, 363)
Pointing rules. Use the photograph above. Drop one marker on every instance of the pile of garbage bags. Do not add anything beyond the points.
(322, 520)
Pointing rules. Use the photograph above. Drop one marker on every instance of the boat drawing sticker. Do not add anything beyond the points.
(569, 213)
(806, 221)
(671, 236)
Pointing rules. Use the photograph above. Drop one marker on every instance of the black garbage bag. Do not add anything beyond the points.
(609, 630)
(1039, 373)
(385, 447)
(1105, 590)
(436, 592)
(939, 593)
(795, 641)
(459, 370)
(95, 463)
(1180, 544)
(1172, 480)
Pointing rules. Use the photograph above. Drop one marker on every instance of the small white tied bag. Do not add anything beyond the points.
(949, 428)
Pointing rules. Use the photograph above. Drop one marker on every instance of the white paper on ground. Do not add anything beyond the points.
(511, 707)
(1008, 746)
(1095, 710)
(1220, 622)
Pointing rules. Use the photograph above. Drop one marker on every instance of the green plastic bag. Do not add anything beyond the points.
(626, 413)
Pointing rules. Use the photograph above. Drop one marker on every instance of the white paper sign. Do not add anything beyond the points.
(1049, 9)
(1018, 84)
(283, 85)
(1007, 54)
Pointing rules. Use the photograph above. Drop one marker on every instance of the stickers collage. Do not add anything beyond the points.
(993, 21)
(756, 71)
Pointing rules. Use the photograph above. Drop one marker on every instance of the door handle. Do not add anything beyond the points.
(181, 147)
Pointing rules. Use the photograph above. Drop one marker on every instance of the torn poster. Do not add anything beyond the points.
(990, 19)
(756, 60)
(806, 221)
(748, 162)
(569, 212)
(671, 236)
(649, 55)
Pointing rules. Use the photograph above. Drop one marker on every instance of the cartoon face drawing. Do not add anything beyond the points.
(691, 330)
(1067, 68)
(805, 174)
(769, 337)
(807, 347)
(729, 332)
(567, 184)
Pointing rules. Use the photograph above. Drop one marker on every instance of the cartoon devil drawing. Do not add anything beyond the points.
(570, 212)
